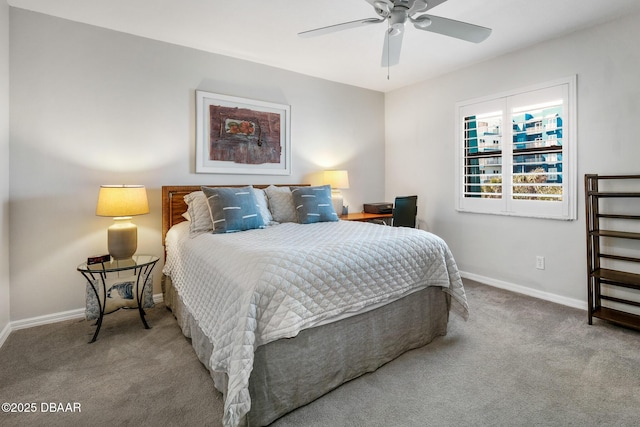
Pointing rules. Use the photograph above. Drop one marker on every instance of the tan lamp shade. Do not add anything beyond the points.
(337, 179)
(122, 202)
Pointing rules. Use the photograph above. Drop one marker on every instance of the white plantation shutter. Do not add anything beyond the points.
(516, 153)
(482, 151)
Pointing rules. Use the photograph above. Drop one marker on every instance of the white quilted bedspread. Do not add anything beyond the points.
(249, 288)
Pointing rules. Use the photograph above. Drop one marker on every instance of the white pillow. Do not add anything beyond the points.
(263, 206)
(198, 210)
(281, 204)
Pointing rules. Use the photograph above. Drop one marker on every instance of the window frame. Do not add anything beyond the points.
(506, 103)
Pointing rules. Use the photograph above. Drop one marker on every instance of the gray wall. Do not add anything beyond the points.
(4, 169)
(92, 106)
(420, 140)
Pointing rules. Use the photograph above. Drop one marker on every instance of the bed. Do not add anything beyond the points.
(284, 313)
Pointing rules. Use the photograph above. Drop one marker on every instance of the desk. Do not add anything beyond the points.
(140, 266)
(362, 216)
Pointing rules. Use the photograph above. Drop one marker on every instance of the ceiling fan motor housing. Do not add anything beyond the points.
(397, 20)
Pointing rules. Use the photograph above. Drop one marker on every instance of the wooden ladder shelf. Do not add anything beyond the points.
(608, 273)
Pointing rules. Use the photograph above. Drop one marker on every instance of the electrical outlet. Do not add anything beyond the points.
(540, 262)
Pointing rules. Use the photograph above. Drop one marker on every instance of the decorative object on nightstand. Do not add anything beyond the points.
(130, 285)
(122, 202)
(338, 180)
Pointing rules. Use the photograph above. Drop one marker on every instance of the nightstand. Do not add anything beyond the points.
(365, 217)
(127, 289)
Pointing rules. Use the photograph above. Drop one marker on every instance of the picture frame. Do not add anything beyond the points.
(241, 136)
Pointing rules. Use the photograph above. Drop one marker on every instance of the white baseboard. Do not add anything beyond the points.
(50, 318)
(158, 298)
(547, 296)
(46, 319)
(5, 334)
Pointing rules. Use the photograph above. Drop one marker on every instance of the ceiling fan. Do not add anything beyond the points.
(396, 13)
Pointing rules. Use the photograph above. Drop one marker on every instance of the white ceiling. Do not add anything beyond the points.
(266, 31)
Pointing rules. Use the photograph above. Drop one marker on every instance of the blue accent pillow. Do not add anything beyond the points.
(313, 204)
(233, 209)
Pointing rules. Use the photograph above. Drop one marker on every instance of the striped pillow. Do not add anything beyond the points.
(313, 204)
(233, 209)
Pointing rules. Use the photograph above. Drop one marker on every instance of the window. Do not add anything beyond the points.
(516, 152)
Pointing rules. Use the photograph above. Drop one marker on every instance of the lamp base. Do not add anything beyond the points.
(122, 238)
(337, 200)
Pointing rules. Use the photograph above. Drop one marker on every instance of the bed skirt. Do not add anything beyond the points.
(290, 373)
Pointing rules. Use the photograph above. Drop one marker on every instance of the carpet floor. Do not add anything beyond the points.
(516, 361)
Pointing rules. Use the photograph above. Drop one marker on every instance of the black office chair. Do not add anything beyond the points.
(405, 210)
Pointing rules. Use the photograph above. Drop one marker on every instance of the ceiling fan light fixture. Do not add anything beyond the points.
(421, 22)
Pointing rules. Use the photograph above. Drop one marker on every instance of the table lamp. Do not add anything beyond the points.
(338, 180)
(122, 202)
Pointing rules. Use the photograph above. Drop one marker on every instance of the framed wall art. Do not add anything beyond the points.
(241, 136)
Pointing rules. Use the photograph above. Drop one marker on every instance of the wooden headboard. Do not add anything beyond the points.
(173, 204)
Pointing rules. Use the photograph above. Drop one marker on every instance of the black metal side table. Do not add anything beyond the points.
(140, 265)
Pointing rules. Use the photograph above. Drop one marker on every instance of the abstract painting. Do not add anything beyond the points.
(241, 136)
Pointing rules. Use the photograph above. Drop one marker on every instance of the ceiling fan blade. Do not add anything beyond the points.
(340, 27)
(391, 48)
(449, 27)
